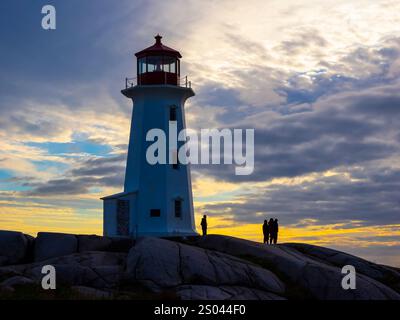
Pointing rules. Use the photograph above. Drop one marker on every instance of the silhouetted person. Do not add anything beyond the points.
(204, 225)
(276, 229)
(266, 231)
(271, 227)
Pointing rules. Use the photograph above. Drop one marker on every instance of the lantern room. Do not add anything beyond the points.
(158, 64)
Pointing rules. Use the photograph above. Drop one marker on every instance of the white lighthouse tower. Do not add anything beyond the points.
(157, 198)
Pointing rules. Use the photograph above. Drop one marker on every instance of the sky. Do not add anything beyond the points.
(317, 80)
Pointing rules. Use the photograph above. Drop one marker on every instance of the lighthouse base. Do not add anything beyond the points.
(123, 218)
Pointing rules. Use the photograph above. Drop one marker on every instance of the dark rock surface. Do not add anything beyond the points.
(387, 275)
(211, 267)
(93, 243)
(93, 269)
(306, 275)
(161, 264)
(49, 245)
(92, 294)
(14, 247)
(98, 243)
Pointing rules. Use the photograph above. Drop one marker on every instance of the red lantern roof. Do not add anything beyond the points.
(158, 49)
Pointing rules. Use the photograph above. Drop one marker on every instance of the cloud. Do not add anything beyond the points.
(60, 186)
(317, 80)
(302, 42)
(341, 130)
(369, 197)
(101, 166)
(94, 172)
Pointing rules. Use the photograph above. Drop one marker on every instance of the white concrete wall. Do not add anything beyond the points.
(157, 185)
(110, 217)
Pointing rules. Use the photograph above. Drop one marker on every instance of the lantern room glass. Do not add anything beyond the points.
(157, 64)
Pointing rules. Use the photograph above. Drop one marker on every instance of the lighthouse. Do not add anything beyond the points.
(157, 198)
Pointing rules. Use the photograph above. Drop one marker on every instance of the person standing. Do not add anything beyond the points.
(204, 225)
(276, 229)
(271, 227)
(266, 231)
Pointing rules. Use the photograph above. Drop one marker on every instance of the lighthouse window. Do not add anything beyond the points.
(178, 208)
(155, 212)
(173, 67)
(166, 67)
(154, 63)
(142, 65)
(172, 113)
(169, 64)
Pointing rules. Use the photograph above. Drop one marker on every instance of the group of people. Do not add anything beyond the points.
(270, 231)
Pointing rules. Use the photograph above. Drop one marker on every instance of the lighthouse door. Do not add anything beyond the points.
(123, 217)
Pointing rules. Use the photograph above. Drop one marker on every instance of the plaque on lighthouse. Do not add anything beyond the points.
(157, 197)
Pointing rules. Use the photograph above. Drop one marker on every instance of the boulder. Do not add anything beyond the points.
(154, 260)
(201, 292)
(8, 272)
(93, 243)
(108, 276)
(14, 247)
(99, 243)
(90, 259)
(210, 267)
(119, 244)
(93, 269)
(88, 293)
(50, 245)
(17, 281)
(162, 264)
(306, 277)
(384, 274)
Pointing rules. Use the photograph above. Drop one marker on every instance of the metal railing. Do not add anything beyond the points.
(182, 82)
(130, 82)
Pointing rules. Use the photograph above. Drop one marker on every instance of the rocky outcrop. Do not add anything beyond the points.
(211, 267)
(161, 264)
(17, 248)
(380, 273)
(49, 245)
(16, 281)
(14, 247)
(88, 293)
(201, 292)
(93, 243)
(93, 269)
(306, 276)
(107, 244)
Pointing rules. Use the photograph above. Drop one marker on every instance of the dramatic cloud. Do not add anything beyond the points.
(370, 198)
(318, 81)
(96, 172)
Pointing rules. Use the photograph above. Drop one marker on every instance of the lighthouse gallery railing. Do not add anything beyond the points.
(182, 82)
